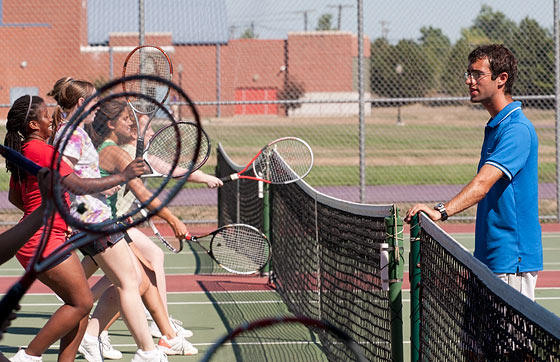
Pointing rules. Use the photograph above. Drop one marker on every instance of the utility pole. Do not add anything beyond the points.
(384, 29)
(339, 7)
(304, 12)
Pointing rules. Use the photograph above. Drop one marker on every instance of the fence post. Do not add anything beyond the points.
(396, 266)
(414, 277)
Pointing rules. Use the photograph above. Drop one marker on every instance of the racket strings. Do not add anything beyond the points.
(240, 249)
(164, 145)
(147, 62)
(284, 161)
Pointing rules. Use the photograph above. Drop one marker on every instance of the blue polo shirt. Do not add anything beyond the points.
(508, 232)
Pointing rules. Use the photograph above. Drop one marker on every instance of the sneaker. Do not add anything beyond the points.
(156, 355)
(107, 350)
(175, 324)
(154, 330)
(178, 328)
(21, 356)
(177, 346)
(90, 348)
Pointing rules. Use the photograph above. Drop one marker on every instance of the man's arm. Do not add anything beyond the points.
(470, 195)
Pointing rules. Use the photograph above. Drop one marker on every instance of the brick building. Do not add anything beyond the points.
(41, 43)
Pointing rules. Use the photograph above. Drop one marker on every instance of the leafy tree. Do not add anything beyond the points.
(400, 70)
(533, 47)
(249, 33)
(325, 22)
(495, 25)
(435, 47)
(293, 90)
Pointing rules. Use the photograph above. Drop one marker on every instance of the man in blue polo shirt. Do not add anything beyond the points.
(508, 233)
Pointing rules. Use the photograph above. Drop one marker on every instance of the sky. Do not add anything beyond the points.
(398, 19)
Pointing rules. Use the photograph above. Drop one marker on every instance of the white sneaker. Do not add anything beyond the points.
(90, 348)
(175, 324)
(107, 350)
(177, 346)
(154, 330)
(178, 328)
(156, 355)
(21, 356)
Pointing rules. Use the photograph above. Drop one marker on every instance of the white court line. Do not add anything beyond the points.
(405, 300)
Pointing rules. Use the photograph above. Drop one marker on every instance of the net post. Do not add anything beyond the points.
(266, 221)
(394, 227)
(414, 277)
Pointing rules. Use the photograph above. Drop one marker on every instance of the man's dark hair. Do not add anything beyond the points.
(501, 60)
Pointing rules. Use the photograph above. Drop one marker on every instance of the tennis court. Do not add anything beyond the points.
(212, 304)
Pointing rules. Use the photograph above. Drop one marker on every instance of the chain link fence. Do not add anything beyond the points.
(393, 126)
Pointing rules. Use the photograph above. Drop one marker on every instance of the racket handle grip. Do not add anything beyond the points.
(229, 178)
(20, 160)
(139, 147)
(10, 301)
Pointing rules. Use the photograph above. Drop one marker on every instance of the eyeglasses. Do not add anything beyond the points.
(475, 75)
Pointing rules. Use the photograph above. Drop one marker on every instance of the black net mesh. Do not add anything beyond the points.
(326, 265)
(325, 257)
(467, 314)
(238, 201)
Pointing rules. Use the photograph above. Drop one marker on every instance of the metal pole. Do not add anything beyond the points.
(361, 101)
(218, 81)
(141, 31)
(180, 86)
(396, 272)
(111, 63)
(414, 277)
(557, 105)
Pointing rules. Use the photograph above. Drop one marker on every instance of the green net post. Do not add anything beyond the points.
(396, 270)
(266, 219)
(414, 276)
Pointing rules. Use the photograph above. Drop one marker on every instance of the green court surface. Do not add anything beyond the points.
(215, 308)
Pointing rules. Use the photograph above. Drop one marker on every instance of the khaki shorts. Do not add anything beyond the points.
(524, 283)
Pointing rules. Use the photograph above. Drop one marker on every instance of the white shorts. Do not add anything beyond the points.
(524, 283)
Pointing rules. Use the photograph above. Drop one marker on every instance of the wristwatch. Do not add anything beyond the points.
(441, 208)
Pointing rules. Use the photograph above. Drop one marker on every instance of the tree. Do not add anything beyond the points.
(399, 71)
(325, 22)
(249, 33)
(533, 47)
(293, 90)
(495, 25)
(436, 47)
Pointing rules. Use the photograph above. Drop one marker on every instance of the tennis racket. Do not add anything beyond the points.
(282, 161)
(238, 248)
(175, 248)
(284, 339)
(159, 150)
(146, 60)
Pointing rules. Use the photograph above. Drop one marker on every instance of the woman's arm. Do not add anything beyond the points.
(83, 186)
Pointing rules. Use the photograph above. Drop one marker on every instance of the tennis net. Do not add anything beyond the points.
(326, 259)
(468, 314)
